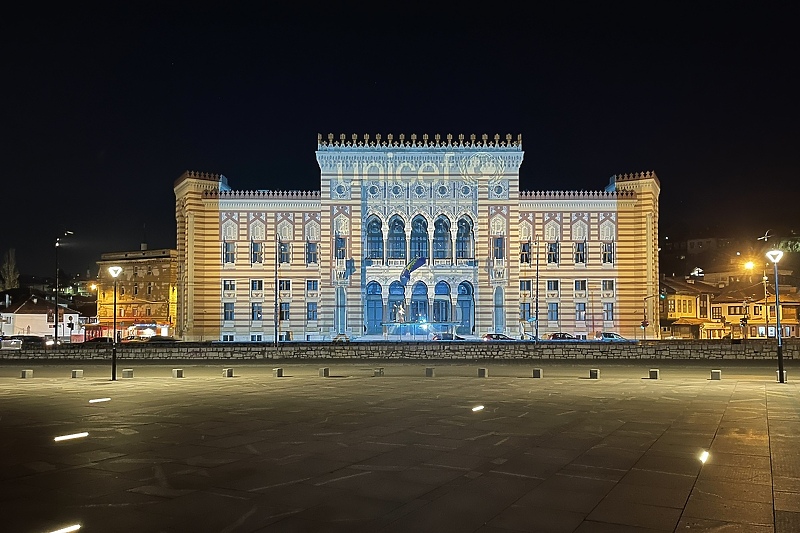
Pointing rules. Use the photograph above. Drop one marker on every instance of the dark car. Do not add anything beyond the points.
(447, 337)
(161, 338)
(497, 337)
(31, 341)
(562, 337)
(99, 340)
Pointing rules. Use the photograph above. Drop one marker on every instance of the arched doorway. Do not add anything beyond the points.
(441, 302)
(397, 299)
(419, 303)
(374, 308)
(466, 308)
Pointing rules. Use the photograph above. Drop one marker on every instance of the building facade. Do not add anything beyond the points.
(266, 265)
(146, 293)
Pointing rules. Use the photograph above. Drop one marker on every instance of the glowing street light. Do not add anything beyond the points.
(775, 256)
(115, 271)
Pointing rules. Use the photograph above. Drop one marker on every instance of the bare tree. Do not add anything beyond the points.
(8, 271)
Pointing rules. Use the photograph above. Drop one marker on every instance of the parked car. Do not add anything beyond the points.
(134, 338)
(447, 337)
(608, 336)
(31, 341)
(161, 338)
(10, 344)
(497, 337)
(562, 337)
(99, 340)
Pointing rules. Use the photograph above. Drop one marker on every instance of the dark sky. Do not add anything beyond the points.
(103, 109)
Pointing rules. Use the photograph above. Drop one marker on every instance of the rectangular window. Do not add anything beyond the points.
(608, 285)
(121, 290)
(756, 309)
(121, 312)
(580, 285)
(311, 253)
(552, 253)
(525, 253)
(552, 285)
(284, 285)
(525, 285)
(227, 310)
(284, 311)
(147, 311)
(735, 310)
(256, 337)
(256, 252)
(340, 248)
(149, 270)
(150, 288)
(135, 271)
(228, 285)
(524, 311)
(311, 311)
(227, 337)
(498, 247)
(716, 312)
(228, 252)
(255, 311)
(284, 255)
(552, 311)
(580, 312)
(312, 285)
(256, 285)
(135, 289)
(608, 311)
(580, 253)
(671, 306)
(607, 253)
(703, 308)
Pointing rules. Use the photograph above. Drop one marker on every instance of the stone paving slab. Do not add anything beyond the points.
(401, 452)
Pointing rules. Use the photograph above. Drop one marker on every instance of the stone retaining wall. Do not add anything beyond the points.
(457, 350)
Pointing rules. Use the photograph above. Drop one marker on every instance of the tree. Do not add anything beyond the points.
(8, 271)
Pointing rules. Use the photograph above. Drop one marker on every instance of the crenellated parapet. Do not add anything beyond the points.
(262, 194)
(575, 195)
(634, 176)
(449, 142)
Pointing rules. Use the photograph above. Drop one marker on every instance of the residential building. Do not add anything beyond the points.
(34, 315)
(433, 232)
(146, 292)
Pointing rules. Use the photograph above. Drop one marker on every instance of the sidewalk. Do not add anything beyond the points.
(402, 452)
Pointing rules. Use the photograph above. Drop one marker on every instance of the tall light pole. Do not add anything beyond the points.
(775, 256)
(55, 318)
(536, 298)
(115, 272)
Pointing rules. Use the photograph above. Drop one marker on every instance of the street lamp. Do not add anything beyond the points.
(55, 318)
(115, 272)
(775, 256)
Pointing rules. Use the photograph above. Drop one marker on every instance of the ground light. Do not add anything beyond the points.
(72, 436)
(68, 529)
(477, 408)
(98, 400)
(704, 457)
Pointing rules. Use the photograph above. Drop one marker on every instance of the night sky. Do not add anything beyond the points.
(103, 110)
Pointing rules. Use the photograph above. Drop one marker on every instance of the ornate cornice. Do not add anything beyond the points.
(436, 143)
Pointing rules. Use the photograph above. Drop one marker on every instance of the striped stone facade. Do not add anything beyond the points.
(315, 265)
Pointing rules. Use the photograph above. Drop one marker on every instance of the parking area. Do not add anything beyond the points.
(421, 446)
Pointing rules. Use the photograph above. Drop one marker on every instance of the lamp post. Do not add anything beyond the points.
(55, 318)
(115, 272)
(775, 256)
(536, 298)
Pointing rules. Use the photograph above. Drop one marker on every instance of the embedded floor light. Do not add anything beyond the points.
(477, 408)
(704, 457)
(98, 400)
(68, 529)
(72, 436)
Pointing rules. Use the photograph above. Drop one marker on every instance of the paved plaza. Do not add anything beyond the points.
(402, 452)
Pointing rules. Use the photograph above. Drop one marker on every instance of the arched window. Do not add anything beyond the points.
(373, 308)
(374, 239)
(499, 311)
(441, 302)
(466, 308)
(397, 296)
(397, 238)
(419, 237)
(442, 248)
(464, 239)
(374, 288)
(419, 303)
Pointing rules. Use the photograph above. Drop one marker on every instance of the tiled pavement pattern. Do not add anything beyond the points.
(402, 452)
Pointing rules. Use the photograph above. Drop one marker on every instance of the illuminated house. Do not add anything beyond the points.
(253, 265)
(146, 293)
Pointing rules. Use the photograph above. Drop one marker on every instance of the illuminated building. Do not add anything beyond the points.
(317, 264)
